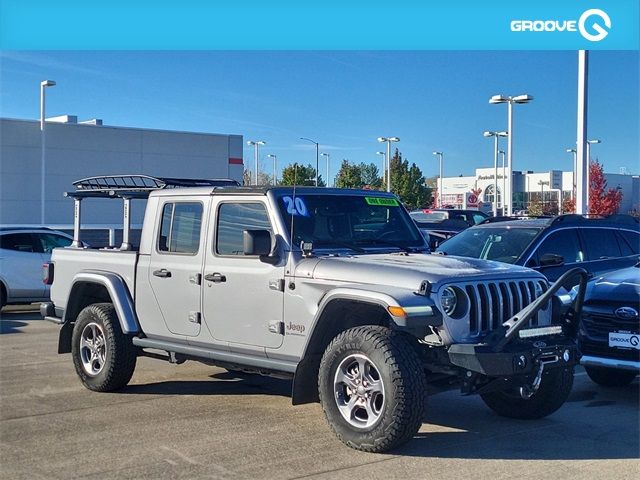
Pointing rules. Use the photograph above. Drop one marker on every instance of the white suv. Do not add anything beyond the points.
(22, 253)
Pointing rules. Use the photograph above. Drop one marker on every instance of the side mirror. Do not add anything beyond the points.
(551, 260)
(257, 242)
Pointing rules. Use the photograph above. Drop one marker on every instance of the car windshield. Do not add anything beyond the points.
(429, 216)
(354, 222)
(503, 244)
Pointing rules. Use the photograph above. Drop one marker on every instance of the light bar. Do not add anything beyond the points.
(540, 332)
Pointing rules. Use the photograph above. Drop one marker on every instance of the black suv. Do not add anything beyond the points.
(609, 335)
(439, 224)
(553, 245)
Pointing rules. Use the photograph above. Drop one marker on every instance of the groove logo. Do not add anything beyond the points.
(593, 29)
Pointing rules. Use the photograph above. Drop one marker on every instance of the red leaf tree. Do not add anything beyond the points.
(602, 201)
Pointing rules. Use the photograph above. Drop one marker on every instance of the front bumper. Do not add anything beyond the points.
(591, 361)
(519, 357)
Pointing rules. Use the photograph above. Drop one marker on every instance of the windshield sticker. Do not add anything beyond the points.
(382, 202)
(295, 207)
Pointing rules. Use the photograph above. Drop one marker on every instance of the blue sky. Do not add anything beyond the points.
(345, 100)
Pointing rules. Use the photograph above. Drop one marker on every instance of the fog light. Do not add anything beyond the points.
(566, 356)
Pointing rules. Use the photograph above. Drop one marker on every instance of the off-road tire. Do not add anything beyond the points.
(402, 375)
(610, 377)
(553, 392)
(120, 354)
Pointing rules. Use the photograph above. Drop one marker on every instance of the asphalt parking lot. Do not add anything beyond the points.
(196, 421)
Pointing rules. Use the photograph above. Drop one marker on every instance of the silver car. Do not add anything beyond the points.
(22, 253)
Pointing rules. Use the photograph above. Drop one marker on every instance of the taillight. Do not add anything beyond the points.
(47, 273)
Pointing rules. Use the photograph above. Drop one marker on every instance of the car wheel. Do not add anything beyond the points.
(554, 390)
(104, 357)
(372, 388)
(610, 377)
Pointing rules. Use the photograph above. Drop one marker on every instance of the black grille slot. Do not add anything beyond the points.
(484, 308)
(506, 302)
(532, 297)
(496, 306)
(473, 309)
(516, 298)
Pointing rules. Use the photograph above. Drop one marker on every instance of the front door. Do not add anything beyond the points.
(176, 265)
(242, 297)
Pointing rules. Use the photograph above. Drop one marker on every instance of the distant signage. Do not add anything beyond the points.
(555, 179)
(471, 200)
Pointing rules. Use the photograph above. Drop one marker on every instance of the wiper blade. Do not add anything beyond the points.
(337, 243)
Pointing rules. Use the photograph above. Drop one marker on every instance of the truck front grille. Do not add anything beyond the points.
(493, 303)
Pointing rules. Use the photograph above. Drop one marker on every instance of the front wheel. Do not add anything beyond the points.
(103, 356)
(553, 392)
(610, 377)
(372, 388)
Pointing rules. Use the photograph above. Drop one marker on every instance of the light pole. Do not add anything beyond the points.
(542, 183)
(573, 178)
(510, 101)
(256, 144)
(44, 84)
(317, 155)
(389, 141)
(495, 136)
(589, 143)
(275, 163)
(440, 155)
(384, 165)
(504, 178)
(328, 155)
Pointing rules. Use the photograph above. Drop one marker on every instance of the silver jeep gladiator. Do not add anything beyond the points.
(333, 288)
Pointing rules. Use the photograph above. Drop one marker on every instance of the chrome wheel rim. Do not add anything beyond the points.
(93, 349)
(359, 391)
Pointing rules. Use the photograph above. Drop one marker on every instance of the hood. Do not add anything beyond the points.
(620, 285)
(407, 271)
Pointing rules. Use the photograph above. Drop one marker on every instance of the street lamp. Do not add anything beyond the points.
(317, 155)
(328, 156)
(256, 144)
(495, 136)
(389, 141)
(510, 101)
(440, 155)
(573, 177)
(384, 165)
(275, 163)
(44, 84)
(504, 178)
(542, 183)
(589, 143)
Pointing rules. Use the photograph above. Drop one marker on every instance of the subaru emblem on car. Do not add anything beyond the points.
(626, 313)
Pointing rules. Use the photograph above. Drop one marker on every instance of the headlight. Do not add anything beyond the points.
(448, 300)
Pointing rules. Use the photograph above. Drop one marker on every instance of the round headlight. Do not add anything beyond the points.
(448, 300)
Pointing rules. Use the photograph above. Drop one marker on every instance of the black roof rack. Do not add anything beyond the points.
(138, 186)
(616, 218)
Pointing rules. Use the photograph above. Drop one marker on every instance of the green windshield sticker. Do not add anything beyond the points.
(382, 202)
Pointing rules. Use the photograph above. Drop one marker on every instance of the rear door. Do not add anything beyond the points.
(607, 250)
(175, 268)
(21, 265)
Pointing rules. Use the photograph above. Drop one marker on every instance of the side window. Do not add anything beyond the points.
(49, 241)
(629, 242)
(180, 228)
(562, 242)
(233, 219)
(477, 219)
(21, 242)
(600, 243)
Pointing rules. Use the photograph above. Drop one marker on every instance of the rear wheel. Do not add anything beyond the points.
(372, 388)
(554, 390)
(610, 377)
(104, 357)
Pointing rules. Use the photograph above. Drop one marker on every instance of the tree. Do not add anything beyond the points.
(569, 205)
(349, 176)
(246, 178)
(408, 183)
(602, 201)
(296, 174)
(370, 175)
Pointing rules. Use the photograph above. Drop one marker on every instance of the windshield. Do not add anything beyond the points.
(349, 221)
(429, 216)
(502, 244)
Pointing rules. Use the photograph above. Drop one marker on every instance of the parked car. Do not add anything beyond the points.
(22, 253)
(609, 334)
(437, 225)
(553, 245)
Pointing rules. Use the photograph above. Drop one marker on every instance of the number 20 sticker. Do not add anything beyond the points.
(295, 206)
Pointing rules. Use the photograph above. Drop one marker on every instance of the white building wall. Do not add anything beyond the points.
(76, 151)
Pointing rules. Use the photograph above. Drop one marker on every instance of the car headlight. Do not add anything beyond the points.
(448, 300)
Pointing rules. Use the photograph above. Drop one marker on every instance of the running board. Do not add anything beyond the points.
(217, 356)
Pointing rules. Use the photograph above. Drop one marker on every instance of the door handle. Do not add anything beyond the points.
(162, 273)
(215, 277)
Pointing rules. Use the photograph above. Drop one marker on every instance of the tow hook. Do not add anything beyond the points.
(527, 391)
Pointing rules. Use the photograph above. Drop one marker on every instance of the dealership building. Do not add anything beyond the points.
(75, 150)
(530, 186)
